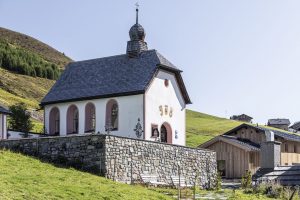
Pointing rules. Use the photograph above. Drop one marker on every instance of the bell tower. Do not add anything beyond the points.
(136, 45)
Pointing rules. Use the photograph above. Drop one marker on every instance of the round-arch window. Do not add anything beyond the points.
(166, 82)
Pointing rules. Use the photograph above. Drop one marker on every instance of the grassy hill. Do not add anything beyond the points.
(33, 45)
(22, 177)
(202, 127)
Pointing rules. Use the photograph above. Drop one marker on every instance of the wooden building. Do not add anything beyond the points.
(242, 118)
(279, 123)
(239, 150)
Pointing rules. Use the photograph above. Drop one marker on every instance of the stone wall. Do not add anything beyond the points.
(121, 159)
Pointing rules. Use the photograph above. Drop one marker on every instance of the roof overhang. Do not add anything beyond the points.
(94, 97)
(229, 141)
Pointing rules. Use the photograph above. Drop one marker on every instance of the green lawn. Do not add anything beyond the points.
(22, 177)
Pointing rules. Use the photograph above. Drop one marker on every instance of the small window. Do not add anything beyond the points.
(166, 82)
(154, 131)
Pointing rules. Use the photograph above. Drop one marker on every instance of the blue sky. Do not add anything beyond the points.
(237, 56)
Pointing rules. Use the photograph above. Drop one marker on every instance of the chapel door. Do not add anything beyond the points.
(163, 134)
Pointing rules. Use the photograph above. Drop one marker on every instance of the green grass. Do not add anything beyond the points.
(35, 46)
(202, 127)
(22, 177)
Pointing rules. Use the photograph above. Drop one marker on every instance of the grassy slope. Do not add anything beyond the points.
(201, 127)
(35, 46)
(16, 88)
(27, 178)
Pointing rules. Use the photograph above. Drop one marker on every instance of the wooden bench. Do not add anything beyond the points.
(175, 181)
(151, 179)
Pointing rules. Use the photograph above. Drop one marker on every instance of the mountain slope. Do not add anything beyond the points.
(23, 177)
(202, 127)
(31, 44)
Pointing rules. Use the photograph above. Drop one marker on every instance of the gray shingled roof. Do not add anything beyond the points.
(296, 126)
(244, 142)
(279, 122)
(110, 76)
(3, 110)
(283, 134)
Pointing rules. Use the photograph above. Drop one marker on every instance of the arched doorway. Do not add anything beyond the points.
(90, 117)
(166, 133)
(72, 120)
(54, 121)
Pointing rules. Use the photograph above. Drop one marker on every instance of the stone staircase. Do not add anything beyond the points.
(284, 175)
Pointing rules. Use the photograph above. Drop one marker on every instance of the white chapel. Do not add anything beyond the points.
(139, 94)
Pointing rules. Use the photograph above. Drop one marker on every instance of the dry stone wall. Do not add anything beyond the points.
(122, 159)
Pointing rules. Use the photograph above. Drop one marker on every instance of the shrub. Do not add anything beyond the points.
(20, 119)
(247, 180)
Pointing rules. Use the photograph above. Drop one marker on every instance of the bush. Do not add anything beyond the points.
(247, 180)
(20, 119)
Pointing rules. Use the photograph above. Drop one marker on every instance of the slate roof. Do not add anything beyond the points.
(296, 126)
(4, 111)
(279, 122)
(282, 134)
(110, 77)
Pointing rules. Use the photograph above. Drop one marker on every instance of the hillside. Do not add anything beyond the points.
(23, 177)
(35, 46)
(202, 127)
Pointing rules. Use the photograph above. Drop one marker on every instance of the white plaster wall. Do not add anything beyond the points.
(1, 127)
(130, 109)
(160, 95)
(4, 126)
(19, 135)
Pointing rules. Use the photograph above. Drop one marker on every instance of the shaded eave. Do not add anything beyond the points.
(179, 80)
(229, 141)
(94, 97)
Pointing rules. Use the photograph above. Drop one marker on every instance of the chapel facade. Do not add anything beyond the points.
(139, 94)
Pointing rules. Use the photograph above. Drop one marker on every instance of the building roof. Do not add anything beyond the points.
(239, 142)
(295, 126)
(278, 133)
(110, 77)
(242, 116)
(4, 111)
(279, 122)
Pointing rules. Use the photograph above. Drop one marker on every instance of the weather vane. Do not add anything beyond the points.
(137, 5)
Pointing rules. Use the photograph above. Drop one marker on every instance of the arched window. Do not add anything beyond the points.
(72, 120)
(54, 121)
(90, 117)
(112, 115)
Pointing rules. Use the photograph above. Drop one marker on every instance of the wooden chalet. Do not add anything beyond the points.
(239, 150)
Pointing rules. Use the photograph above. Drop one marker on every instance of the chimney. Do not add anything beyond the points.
(270, 152)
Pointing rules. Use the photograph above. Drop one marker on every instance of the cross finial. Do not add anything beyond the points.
(137, 12)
